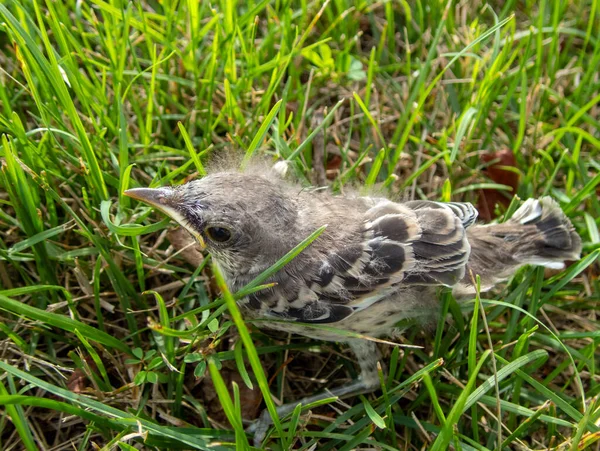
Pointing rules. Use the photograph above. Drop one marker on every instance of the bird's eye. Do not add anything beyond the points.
(218, 234)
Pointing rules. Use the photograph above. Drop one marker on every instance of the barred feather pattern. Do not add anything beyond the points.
(398, 245)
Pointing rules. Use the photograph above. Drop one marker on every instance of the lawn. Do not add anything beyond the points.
(114, 332)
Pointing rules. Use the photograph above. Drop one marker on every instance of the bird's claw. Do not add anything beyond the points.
(260, 427)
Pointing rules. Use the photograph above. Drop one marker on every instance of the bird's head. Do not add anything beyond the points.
(245, 221)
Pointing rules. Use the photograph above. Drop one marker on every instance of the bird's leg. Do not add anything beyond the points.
(367, 355)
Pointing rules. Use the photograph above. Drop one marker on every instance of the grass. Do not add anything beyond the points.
(112, 339)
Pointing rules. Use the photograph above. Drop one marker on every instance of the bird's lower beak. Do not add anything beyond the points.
(162, 200)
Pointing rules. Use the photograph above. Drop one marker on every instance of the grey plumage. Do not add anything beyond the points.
(378, 261)
(538, 233)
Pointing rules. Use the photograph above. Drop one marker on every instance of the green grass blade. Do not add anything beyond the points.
(195, 442)
(18, 418)
(447, 432)
(228, 407)
(251, 350)
(262, 132)
(288, 257)
(62, 322)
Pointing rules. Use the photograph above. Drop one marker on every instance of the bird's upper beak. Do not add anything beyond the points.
(159, 198)
(163, 199)
(153, 196)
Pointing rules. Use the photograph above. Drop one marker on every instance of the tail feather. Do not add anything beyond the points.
(554, 239)
(538, 233)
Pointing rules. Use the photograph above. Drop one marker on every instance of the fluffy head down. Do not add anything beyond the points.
(245, 221)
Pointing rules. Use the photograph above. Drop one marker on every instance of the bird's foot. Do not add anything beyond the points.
(260, 427)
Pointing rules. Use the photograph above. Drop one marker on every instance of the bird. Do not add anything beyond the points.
(377, 263)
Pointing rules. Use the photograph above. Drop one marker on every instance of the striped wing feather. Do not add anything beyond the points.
(413, 243)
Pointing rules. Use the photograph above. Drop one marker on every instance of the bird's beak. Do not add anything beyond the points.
(160, 198)
(152, 196)
(163, 200)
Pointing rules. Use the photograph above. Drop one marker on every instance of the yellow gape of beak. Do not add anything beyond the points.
(199, 239)
(159, 198)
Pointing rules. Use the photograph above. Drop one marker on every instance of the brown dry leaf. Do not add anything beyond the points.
(78, 382)
(187, 247)
(334, 163)
(489, 198)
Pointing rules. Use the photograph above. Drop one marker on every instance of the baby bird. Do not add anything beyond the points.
(378, 262)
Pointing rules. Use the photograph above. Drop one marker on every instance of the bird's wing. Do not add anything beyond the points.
(413, 243)
(442, 250)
